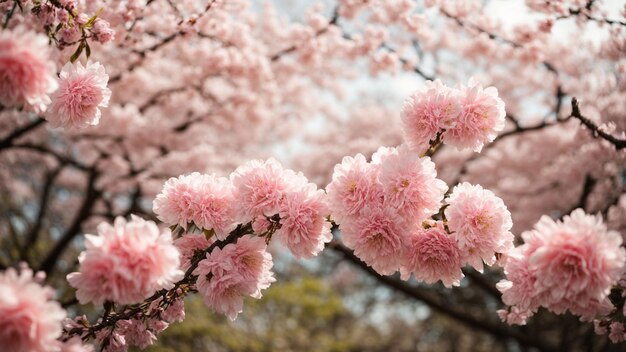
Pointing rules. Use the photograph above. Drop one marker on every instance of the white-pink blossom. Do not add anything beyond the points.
(433, 108)
(205, 200)
(481, 223)
(260, 186)
(379, 236)
(433, 255)
(482, 116)
(125, 263)
(188, 244)
(565, 265)
(27, 73)
(354, 186)
(303, 226)
(82, 92)
(30, 321)
(410, 185)
(230, 273)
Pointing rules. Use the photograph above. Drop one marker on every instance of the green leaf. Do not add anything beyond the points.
(93, 19)
(87, 50)
(78, 51)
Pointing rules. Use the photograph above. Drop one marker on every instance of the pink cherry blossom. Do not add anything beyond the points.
(27, 74)
(261, 186)
(425, 113)
(410, 185)
(304, 228)
(579, 261)
(481, 223)
(379, 237)
(30, 321)
(136, 333)
(116, 342)
(617, 333)
(125, 263)
(230, 273)
(519, 287)
(188, 244)
(82, 92)
(175, 311)
(205, 200)
(481, 118)
(102, 31)
(565, 265)
(433, 255)
(354, 186)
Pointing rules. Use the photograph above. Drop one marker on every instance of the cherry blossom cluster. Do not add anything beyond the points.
(391, 210)
(263, 193)
(28, 80)
(466, 117)
(65, 25)
(30, 320)
(570, 265)
(125, 263)
(225, 225)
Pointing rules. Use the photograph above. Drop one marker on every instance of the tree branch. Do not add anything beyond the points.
(43, 205)
(439, 306)
(618, 143)
(8, 140)
(91, 195)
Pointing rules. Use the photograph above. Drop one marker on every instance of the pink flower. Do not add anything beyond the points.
(82, 91)
(175, 311)
(379, 237)
(428, 111)
(230, 273)
(579, 261)
(27, 74)
(481, 118)
(519, 287)
(261, 224)
(304, 228)
(569, 265)
(29, 320)
(102, 31)
(136, 333)
(125, 263)
(261, 186)
(617, 333)
(116, 342)
(205, 200)
(481, 223)
(433, 255)
(514, 316)
(187, 245)
(410, 185)
(354, 186)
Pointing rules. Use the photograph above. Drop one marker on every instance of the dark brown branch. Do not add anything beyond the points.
(583, 11)
(143, 53)
(332, 22)
(482, 281)
(618, 143)
(8, 140)
(438, 305)
(60, 158)
(43, 205)
(91, 195)
(189, 278)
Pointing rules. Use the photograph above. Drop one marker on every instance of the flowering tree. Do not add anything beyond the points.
(145, 134)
